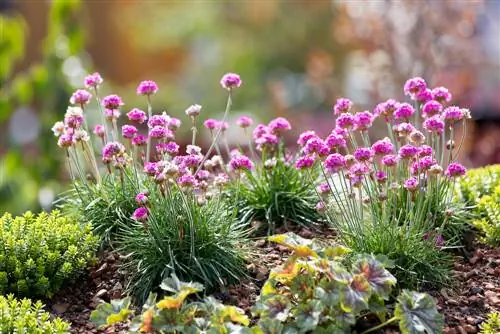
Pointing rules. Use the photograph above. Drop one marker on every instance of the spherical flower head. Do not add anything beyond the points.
(158, 120)
(414, 86)
(390, 160)
(335, 141)
(381, 176)
(411, 184)
(147, 87)
(141, 198)
(453, 114)
(129, 131)
(334, 162)
(437, 238)
(424, 96)
(203, 175)
(230, 81)
(350, 160)
(363, 120)
(100, 130)
(174, 123)
(435, 170)
(221, 180)
(172, 148)
(363, 154)
(424, 151)
(81, 96)
(432, 108)
(320, 207)
(355, 180)
(404, 112)
(359, 169)
(58, 128)
(408, 151)
(73, 117)
(323, 188)
(193, 149)
(193, 110)
(240, 162)
(137, 115)
(279, 125)
(426, 163)
(140, 214)
(80, 136)
(158, 132)
(441, 94)
(150, 168)
(111, 150)
(267, 140)
(341, 132)
(434, 124)
(342, 105)
(387, 109)
(383, 147)
(93, 80)
(304, 162)
(417, 137)
(111, 114)
(65, 140)
(404, 129)
(316, 145)
(244, 122)
(211, 123)
(187, 181)
(455, 170)
(139, 140)
(345, 121)
(192, 160)
(112, 102)
(305, 136)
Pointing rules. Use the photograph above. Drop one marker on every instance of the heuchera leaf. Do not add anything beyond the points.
(175, 301)
(110, 313)
(335, 252)
(236, 315)
(381, 281)
(174, 285)
(417, 313)
(356, 294)
(290, 240)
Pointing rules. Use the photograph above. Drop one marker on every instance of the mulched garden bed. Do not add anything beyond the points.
(465, 305)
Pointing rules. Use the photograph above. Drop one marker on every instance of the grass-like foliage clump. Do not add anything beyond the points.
(313, 292)
(24, 316)
(40, 253)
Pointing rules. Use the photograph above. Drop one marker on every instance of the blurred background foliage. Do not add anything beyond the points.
(295, 57)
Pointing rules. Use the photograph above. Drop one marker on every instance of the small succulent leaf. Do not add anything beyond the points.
(356, 294)
(417, 313)
(381, 281)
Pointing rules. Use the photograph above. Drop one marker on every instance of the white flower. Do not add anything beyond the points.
(58, 128)
(193, 110)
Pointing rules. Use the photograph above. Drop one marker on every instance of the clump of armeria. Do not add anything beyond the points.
(156, 203)
(274, 193)
(393, 196)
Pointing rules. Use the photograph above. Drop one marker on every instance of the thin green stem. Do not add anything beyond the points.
(382, 325)
(101, 111)
(150, 113)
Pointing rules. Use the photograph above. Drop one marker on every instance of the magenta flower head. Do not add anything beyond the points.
(244, 122)
(158, 120)
(359, 169)
(404, 129)
(187, 181)
(112, 102)
(100, 131)
(304, 162)
(363, 154)
(434, 124)
(387, 109)
(137, 115)
(334, 162)
(441, 94)
(210, 123)
(335, 141)
(93, 80)
(321, 207)
(110, 150)
(432, 108)
(404, 112)
(341, 132)
(172, 148)
(140, 140)
(65, 140)
(453, 114)
(426, 163)
(363, 120)
(279, 125)
(345, 121)
(81, 97)
(408, 151)
(240, 162)
(383, 147)
(390, 160)
(323, 188)
(455, 170)
(414, 86)
(305, 136)
(424, 96)
(159, 132)
(129, 131)
(147, 87)
(424, 151)
(439, 240)
(193, 110)
(141, 198)
(381, 176)
(150, 168)
(230, 81)
(316, 145)
(342, 105)
(140, 214)
(411, 184)
(267, 140)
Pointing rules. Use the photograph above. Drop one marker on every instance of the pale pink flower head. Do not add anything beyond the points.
(340, 131)
(139, 140)
(316, 146)
(193, 110)
(244, 122)
(323, 188)
(210, 123)
(363, 154)
(321, 207)
(137, 115)
(150, 168)
(110, 150)
(129, 131)
(173, 123)
(240, 163)
(221, 180)
(404, 112)
(203, 175)
(193, 149)
(404, 129)
(387, 109)
(441, 94)
(305, 162)
(363, 120)
(93, 80)
(279, 125)
(112, 114)
(81, 97)
(305, 136)
(408, 151)
(345, 121)
(359, 169)
(414, 86)
(334, 163)
(432, 108)
(267, 140)
(383, 147)
(223, 126)
(342, 105)
(158, 120)
(112, 102)
(58, 128)
(141, 198)
(411, 184)
(65, 140)
(335, 141)
(434, 124)
(417, 137)
(73, 117)
(230, 81)
(455, 170)
(147, 87)
(424, 96)
(140, 214)
(390, 160)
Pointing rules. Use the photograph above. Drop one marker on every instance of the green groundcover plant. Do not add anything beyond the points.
(40, 253)
(393, 196)
(314, 291)
(480, 190)
(23, 316)
(492, 324)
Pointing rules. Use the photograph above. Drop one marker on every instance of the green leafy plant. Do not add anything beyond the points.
(23, 316)
(313, 292)
(40, 253)
(492, 324)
